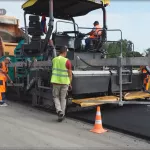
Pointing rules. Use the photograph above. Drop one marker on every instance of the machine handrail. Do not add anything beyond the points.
(66, 22)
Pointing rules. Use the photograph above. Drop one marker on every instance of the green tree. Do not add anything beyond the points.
(114, 48)
(147, 51)
(134, 54)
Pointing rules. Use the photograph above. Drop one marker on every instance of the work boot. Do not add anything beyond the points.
(60, 116)
(3, 104)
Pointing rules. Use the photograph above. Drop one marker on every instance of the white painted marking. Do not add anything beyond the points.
(98, 113)
(98, 122)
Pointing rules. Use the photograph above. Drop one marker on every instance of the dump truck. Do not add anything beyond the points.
(10, 35)
(96, 78)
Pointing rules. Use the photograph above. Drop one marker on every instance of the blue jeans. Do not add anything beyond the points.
(87, 42)
(3, 98)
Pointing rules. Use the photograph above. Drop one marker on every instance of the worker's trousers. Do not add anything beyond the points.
(59, 96)
(3, 98)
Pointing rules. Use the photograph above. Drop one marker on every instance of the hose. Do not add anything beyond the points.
(91, 65)
(86, 62)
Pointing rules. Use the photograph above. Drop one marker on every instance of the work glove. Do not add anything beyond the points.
(12, 83)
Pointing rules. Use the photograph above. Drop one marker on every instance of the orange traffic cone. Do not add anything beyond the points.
(98, 128)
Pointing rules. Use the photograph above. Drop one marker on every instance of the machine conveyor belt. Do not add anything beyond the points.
(87, 102)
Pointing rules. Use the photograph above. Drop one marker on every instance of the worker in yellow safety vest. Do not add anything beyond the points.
(61, 79)
(95, 33)
(3, 78)
(146, 77)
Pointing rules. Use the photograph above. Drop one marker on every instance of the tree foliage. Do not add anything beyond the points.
(114, 49)
(147, 51)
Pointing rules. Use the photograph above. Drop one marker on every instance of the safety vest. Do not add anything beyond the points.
(97, 32)
(4, 67)
(2, 85)
(3, 79)
(145, 77)
(59, 71)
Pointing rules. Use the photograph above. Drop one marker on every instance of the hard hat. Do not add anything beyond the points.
(8, 58)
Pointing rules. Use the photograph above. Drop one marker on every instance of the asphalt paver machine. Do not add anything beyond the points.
(96, 78)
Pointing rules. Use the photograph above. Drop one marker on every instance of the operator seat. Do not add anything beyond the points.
(35, 30)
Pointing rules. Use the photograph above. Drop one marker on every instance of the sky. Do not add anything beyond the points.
(131, 16)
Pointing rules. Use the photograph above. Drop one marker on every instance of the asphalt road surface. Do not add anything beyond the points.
(134, 119)
(23, 127)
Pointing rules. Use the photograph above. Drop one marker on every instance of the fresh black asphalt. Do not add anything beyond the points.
(133, 119)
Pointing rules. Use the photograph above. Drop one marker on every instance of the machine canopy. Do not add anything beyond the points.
(63, 9)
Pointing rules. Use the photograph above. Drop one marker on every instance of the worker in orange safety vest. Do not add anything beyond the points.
(3, 78)
(95, 33)
(146, 77)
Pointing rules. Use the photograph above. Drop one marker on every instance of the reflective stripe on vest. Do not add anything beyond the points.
(59, 71)
(97, 32)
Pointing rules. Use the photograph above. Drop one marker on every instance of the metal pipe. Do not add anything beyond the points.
(101, 29)
(133, 46)
(54, 52)
(120, 70)
(44, 87)
(51, 13)
(65, 22)
(51, 24)
(74, 25)
(25, 24)
(104, 18)
(104, 37)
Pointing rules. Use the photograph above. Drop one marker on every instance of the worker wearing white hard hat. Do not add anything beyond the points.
(3, 78)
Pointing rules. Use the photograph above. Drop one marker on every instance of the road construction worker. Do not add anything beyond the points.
(146, 71)
(3, 78)
(61, 80)
(95, 33)
(4, 64)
